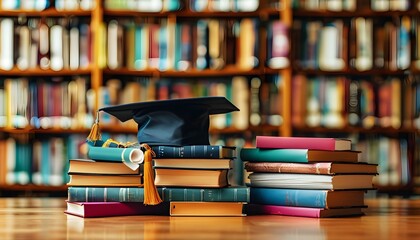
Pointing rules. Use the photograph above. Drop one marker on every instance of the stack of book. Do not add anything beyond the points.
(191, 181)
(199, 168)
(306, 176)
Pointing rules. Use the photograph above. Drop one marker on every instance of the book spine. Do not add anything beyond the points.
(195, 151)
(289, 197)
(295, 142)
(257, 209)
(273, 155)
(316, 168)
(105, 194)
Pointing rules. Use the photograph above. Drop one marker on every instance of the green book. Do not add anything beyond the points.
(133, 194)
(297, 155)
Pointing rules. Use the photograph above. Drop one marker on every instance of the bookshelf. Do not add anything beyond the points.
(102, 73)
(277, 95)
(371, 77)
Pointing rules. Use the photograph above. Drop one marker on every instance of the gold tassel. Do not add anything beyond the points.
(151, 195)
(95, 133)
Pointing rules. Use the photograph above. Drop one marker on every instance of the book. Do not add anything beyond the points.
(105, 180)
(110, 209)
(307, 197)
(257, 209)
(207, 209)
(191, 177)
(311, 181)
(327, 168)
(167, 194)
(192, 163)
(316, 143)
(195, 151)
(89, 166)
(297, 155)
(130, 156)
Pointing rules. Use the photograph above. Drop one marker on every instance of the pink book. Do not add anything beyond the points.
(109, 209)
(313, 143)
(259, 209)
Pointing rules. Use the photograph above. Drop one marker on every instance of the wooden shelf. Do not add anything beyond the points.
(353, 72)
(49, 12)
(351, 14)
(47, 72)
(350, 129)
(33, 188)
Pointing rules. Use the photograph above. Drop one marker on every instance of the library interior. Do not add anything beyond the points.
(209, 119)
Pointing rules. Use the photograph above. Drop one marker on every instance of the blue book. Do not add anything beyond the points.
(134, 194)
(307, 198)
(195, 151)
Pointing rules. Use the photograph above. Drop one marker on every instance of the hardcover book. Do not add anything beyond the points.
(88, 166)
(297, 155)
(326, 168)
(257, 209)
(312, 181)
(111, 209)
(307, 197)
(315, 143)
(191, 177)
(206, 209)
(106, 180)
(195, 151)
(192, 163)
(135, 194)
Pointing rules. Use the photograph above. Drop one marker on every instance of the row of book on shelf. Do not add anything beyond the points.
(45, 43)
(175, 5)
(40, 5)
(362, 44)
(340, 101)
(42, 104)
(203, 44)
(352, 5)
(71, 107)
(310, 177)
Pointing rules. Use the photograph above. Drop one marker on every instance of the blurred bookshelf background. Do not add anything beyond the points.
(333, 68)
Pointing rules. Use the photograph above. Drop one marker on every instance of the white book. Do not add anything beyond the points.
(66, 48)
(71, 4)
(44, 46)
(364, 36)
(41, 4)
(74, 48)
(56, 47)
(24, 48)
(247, 5)
(88, 4)
(112, 44)
(6, 44)
(10, 4)
(27, 5)
(329, 49)
(149, 5)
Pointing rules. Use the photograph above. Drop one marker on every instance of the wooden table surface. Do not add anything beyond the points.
(43, 218)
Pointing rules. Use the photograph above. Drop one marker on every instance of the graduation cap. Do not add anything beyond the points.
(175, 122)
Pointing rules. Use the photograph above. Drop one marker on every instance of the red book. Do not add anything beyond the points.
(109, 209)
(313, 143)
(258, 209)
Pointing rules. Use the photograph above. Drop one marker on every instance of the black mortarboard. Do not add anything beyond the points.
(176, 122)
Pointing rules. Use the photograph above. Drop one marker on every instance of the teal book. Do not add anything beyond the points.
(307, 198)
(115, 194)
(297, 155)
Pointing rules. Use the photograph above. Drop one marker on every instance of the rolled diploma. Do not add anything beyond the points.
(131, 157)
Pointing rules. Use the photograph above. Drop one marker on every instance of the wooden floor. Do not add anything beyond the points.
(29, 218)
